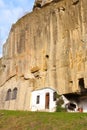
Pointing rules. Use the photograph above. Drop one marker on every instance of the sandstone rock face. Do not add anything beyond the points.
(39, 3)
(45, 48)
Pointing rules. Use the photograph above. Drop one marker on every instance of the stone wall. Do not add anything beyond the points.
(46, 48)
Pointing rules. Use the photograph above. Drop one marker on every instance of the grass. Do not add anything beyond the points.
(24, 120)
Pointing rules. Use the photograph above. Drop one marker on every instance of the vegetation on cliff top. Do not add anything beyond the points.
(23, 120)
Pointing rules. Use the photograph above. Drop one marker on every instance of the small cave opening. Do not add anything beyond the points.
(4, 66)
(47, 56)
(71, 106)
(75, 2)
(37, 5)
(81, 84)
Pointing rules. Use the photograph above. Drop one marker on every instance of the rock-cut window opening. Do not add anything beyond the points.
(8, 96)
(14, 94)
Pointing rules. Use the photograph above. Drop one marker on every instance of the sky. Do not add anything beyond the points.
(10, 12)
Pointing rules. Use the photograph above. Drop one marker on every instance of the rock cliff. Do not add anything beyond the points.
(47, 48)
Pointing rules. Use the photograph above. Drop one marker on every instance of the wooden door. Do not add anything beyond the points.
(47, 101)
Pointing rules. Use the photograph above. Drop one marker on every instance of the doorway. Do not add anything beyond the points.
(81, 84)
(47, 97)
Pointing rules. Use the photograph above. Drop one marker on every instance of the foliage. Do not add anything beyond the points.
(60, 109)
(59, 103)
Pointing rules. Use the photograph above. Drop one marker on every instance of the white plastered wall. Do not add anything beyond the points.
(41, 105)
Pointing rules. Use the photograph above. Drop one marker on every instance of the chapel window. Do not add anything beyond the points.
(14, 94)
(38, 99)
(8, 96)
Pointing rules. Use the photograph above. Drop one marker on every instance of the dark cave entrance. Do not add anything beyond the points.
(81, 84)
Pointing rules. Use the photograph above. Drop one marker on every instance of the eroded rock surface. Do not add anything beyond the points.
(45, 48)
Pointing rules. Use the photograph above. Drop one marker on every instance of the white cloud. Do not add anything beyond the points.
(2, 4)
(8, 17)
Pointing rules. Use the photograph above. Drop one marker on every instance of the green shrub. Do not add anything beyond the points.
(59, 104)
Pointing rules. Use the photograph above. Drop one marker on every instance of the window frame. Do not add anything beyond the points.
(38, 99)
